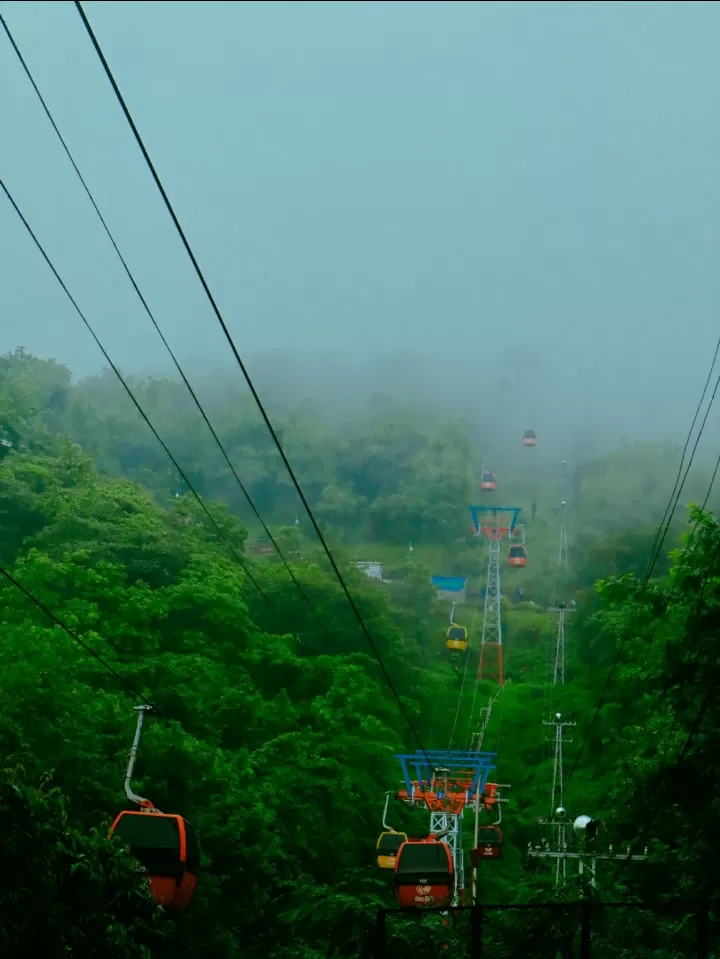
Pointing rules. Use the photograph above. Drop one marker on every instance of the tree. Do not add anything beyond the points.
(63, 892)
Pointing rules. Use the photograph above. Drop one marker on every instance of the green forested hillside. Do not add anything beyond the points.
(276, 731)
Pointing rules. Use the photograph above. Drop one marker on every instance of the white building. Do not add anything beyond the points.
(372, 570)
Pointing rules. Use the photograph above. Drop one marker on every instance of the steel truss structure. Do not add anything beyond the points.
(446, 781)
(494, 522)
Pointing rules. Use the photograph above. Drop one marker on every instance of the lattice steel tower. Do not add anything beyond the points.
(494, 522)
(492, 619)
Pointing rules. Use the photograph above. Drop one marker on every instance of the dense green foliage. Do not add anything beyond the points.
(90, 899)
(277, 731)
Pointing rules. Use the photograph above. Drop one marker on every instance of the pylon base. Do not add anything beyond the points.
(491, 663)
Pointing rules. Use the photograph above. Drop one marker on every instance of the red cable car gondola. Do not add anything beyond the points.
(489, 844)
(424, 873)
(517, 555)
(529, 438)
(488, 481)
(164, 844)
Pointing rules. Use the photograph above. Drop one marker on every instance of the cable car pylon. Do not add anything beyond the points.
(454, 780)
(494, 522)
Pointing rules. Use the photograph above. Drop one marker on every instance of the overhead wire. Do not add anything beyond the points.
(502, 717)
(462, 685)
(657, 545)
(154, 322)
(692, 617)
(639, 842)
(73, 635)
(91, 652)
(477, 680)
(472, 704)
(673, 501)
(231, 549)
(246, 375)
(712, 482)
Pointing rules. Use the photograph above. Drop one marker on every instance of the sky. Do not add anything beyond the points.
(509, 208)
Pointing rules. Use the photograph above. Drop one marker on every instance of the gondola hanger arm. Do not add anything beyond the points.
(132, 796)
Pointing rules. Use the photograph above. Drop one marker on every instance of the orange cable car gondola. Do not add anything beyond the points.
(164, 844)
(489, 844)
(424, 873)
(488, 480)
(387, 848)
(529, 438)
(517, 555)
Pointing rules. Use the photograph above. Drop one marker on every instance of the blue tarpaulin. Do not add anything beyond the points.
(452, 584)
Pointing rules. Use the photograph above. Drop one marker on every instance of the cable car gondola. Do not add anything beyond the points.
(489, 844)
(424, 873)
(457, 638)
(387, 848)
(529, 438)
(517, 555)
(164, 844)
(167, 847)
(488, 480)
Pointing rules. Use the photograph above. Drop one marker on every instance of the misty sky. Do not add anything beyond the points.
(479, 184)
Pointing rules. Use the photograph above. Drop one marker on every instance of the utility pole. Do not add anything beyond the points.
(557, 808)
(583, 856)
(556, 791)
(559, 658)
(563, 551)
(584, 827)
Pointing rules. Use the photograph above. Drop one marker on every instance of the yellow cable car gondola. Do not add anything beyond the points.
(457, 638)
(387, 848)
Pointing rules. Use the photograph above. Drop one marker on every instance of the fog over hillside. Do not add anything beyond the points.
(504, 212)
